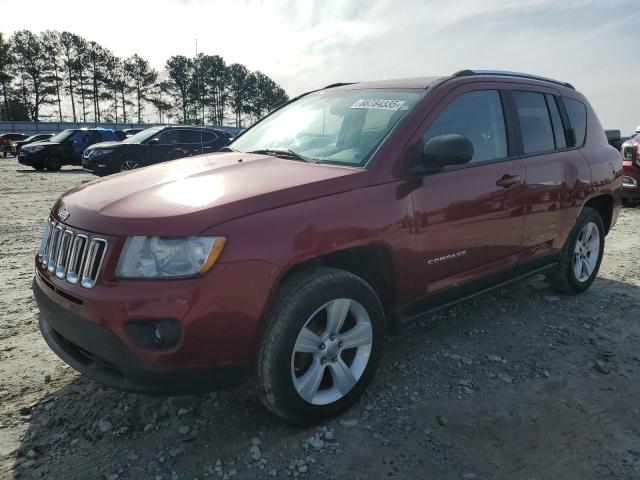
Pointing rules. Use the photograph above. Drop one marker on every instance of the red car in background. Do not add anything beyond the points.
(631, 171)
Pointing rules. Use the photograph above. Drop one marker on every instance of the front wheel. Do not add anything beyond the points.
(129, 164)
(321, 345)
(53, 163)
(581, 255)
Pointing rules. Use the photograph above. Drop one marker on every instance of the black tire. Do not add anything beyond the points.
(628, 203)
(38, 166)
(53, 163)
(296, 301)
(562, 278)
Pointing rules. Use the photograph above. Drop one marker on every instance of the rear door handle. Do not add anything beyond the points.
(508, 181)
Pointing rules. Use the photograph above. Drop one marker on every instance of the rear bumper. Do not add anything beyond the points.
(98, 353)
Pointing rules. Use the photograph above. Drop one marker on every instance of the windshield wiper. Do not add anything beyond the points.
(228, 149)
(285, 154)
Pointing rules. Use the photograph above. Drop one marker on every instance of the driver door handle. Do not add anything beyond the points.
(508, 181)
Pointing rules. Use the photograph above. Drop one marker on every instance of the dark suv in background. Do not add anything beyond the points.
(152, 145)
(65, 148)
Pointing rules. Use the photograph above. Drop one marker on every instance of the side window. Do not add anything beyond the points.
(191, 136)
(577, 113)
(478, 116)
(169, 137)
(79, 141)
(535, 124)
(556, 121)
(208, 137)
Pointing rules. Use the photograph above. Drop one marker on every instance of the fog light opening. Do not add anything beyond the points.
(154, 334)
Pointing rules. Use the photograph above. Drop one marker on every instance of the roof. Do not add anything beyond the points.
(426, 82)
(416, 82)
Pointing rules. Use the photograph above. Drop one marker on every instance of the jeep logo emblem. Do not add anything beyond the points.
(63, 214)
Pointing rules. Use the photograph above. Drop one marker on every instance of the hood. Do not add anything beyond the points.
(104, 145)
(188, 196)
(42, 143)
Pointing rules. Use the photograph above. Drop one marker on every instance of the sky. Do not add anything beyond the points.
(307, 44)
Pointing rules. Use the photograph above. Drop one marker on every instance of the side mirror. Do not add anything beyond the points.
(443, 150)
(153, 141)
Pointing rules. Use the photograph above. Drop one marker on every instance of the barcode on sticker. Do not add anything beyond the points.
(378, 104)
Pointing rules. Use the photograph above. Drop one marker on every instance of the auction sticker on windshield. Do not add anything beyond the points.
(378, 104)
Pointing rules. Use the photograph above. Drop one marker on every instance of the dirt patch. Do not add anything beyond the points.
(517, 384)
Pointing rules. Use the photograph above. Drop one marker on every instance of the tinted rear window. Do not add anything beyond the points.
(535, 124)
(577, 114)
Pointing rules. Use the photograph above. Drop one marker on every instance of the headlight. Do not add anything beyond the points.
(96, 153)
(161, 257)
(37, 148)
(14, 144)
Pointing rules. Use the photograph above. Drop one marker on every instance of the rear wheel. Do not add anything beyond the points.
(321, 345)
(53, 163)
(581, 255)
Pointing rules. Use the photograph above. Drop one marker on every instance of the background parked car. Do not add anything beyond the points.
(65, 148)
(18, 144)
(631, 171)
(150, 146)
(614, 137)
(7, 138)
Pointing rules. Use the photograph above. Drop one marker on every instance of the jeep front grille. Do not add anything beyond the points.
(71, 255)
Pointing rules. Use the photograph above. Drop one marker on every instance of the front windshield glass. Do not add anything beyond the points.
(341, 127)
(63, 135)
(142, 136)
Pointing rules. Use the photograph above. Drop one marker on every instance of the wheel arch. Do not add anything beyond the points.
(373, 263)
(603, 204)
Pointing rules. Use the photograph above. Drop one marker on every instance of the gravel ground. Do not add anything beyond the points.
(518, 384)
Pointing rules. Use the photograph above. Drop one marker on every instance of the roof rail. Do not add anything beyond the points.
(469, 73)
(340, 84)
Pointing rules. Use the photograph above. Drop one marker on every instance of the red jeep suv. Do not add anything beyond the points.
(343, 214)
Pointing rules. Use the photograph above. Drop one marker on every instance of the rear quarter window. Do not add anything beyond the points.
(577, 113)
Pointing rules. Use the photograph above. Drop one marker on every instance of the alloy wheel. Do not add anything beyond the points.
(332, 351)
(586, 252)
(129, 165)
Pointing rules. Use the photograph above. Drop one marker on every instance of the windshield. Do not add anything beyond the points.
(341, 127)
(142, 136)
(63, 135)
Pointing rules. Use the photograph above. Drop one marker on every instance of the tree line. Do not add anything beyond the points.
(69, 78)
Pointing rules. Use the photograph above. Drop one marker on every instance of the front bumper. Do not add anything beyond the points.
(98, 353)
(29, 159)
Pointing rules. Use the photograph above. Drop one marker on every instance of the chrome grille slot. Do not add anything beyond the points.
(74, 257)
(54, 248)
(45, 239)
(45, 244)
(63, 253)
(93, 262)
(74, 267)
